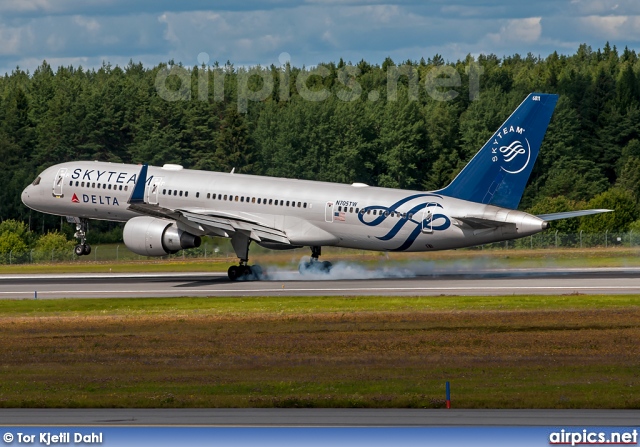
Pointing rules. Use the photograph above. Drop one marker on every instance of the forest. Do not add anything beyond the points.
(399, 124)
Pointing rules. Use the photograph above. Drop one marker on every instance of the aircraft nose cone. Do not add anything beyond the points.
(25, 195)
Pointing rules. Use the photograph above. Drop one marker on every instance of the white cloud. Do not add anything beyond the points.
(257, 32)
(25, 5)
(10, 39)
(518, 30)
(613, 27)
(89, 24)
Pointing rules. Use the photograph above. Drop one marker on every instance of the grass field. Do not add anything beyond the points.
(497, 352)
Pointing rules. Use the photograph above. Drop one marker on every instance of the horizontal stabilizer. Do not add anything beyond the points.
(570, 214)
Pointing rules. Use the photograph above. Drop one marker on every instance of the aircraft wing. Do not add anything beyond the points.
(203, 220)
(570, 214)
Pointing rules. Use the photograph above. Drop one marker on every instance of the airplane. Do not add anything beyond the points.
(168, 208)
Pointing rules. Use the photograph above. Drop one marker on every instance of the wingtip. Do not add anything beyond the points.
(137, 196)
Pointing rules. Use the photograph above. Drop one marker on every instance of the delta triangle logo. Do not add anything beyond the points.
(75, 199)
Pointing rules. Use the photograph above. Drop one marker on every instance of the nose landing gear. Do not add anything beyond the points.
(82, 249)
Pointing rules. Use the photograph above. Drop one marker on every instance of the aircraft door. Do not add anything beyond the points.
(328, 212)
(58, 181)
(427, 220)
(153, 191)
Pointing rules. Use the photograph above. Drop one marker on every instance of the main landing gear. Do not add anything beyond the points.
(314, 265)
(81, 233)
(244, 271)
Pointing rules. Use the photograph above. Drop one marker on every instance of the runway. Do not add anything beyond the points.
(316, 417)
(479, 282)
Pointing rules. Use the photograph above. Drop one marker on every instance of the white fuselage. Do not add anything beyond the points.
(308, 212)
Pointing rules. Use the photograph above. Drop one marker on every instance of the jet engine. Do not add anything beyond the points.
(150, 236)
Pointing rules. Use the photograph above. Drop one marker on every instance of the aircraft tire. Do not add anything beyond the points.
(79, 250)
(86, 249)
(256, 271)
(233, 273)
(314, 267)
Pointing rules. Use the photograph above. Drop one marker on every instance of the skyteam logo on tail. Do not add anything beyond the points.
(514, 156)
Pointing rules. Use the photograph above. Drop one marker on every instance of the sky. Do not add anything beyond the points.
(250, 32)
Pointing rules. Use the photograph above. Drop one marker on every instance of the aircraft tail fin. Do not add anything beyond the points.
(498, 173)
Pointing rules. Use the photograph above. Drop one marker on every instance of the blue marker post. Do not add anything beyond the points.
(448, 396)
(35, 295)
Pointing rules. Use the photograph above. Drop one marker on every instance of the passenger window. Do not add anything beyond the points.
(225, 197)
(197, 195)
(93, 185)
(121, 188)
(180, 193)
(71, 183)
(242, 199)
(259, 201)
(299, 204)
(236, 198)
(208, 195)
(126, 187)
(304, 205)
(375, 212)
(270, 201)
(186, 193)
(76, 183)
(351, 210)
(253, 200)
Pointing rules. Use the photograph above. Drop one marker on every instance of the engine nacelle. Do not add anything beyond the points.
(150, 236)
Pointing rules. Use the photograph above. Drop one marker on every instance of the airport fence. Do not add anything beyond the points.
(220, 249)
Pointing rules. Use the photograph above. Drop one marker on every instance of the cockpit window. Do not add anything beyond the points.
(36, 182)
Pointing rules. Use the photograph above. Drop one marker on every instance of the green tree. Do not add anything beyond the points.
(53, 246)
(559, 204)
(574, 179)
(234, 146)
(624, 212)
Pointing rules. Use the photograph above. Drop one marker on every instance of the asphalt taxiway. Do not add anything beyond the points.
(360, 282)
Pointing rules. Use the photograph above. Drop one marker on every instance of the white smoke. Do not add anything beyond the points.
(349, 270)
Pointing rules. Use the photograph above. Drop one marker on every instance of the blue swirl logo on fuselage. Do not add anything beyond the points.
(437, 222)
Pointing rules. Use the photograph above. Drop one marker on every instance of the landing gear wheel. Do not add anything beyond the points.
(245, 272)
(87, 249)
(79, 250)
(233, 272)
(257, 272)
(314, 267)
